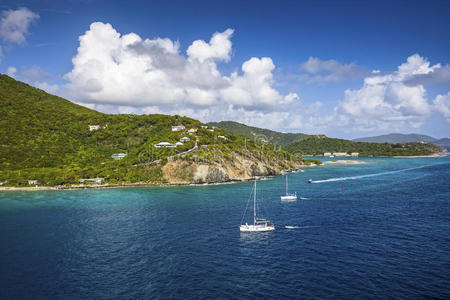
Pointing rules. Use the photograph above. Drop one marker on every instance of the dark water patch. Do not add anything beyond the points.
(380, 237)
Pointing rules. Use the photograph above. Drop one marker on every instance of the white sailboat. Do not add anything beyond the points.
(287, 196)
(258, 223)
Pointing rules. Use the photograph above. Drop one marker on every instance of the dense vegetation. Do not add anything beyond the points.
(254, 133)
(303, 144)
(47, 138)
(404, 138)
(318, 146)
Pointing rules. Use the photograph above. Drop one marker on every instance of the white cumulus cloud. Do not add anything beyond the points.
(254, 88)
(110, 68)
(219, 47)
(14, 24)
(387, 101)
(442, 105)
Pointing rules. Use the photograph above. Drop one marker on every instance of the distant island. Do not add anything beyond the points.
(46, 140)
(404, 138)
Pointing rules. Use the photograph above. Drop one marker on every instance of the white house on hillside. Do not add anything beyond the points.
(118, 155)
(94, 127)
(185, 139)
(192, 130)
(178, 128)
(165, 144)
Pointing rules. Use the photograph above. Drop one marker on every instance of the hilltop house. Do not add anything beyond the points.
(165, 144)
(179, 144)
(118, 155)
(222, 137)
(94, 127)
(178, 128)
(185, 139)
(192, 130)
(204, 126)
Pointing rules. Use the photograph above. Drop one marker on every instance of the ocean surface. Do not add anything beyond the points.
(385, 235)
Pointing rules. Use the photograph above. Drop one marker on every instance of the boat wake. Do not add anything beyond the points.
(296, 227)
(303, 198)
(365, 176)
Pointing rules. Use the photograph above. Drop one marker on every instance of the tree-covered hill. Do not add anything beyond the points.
(54, 141)
(398, 138)
(318, 146)
(250, 132)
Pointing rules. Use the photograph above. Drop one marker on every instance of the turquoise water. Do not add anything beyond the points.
(386, 234)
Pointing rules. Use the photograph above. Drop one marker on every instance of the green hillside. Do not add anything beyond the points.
(47, 138)
(253, 133)
(397, 138)
(318, 146)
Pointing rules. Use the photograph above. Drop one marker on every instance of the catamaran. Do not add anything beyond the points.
(258, 223)
(287, 196)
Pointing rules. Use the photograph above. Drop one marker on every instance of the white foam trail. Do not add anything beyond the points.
(303, 198)
(291, 227)
(364, 176)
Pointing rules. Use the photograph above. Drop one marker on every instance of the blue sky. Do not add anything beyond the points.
(315, 53)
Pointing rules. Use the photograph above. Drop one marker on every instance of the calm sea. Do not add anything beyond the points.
(385, 235)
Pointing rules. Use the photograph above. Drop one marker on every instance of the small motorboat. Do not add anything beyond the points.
(310, 181)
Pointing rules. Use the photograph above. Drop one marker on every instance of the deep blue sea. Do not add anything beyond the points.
(386, 235)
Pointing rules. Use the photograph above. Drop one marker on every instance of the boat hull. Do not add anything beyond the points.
(255, 228)
(288, 198)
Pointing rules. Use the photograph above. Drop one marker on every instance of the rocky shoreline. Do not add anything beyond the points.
(130, 185)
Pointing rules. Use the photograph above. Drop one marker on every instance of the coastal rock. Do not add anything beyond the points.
(239, 167)
(216, 174)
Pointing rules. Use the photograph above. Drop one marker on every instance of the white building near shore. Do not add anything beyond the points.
(337, 154)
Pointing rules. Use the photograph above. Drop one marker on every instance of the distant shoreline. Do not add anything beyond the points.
(113, 186)
(420, 156)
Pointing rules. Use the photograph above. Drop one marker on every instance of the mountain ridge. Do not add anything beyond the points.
(304, 144)
(267, 135)
(403, 138)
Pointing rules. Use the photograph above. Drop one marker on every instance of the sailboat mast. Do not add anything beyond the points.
(286, 185)
(254, 205)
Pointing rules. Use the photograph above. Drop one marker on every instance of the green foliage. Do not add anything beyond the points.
(318, 146)
(253, 133)
(47, 138)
